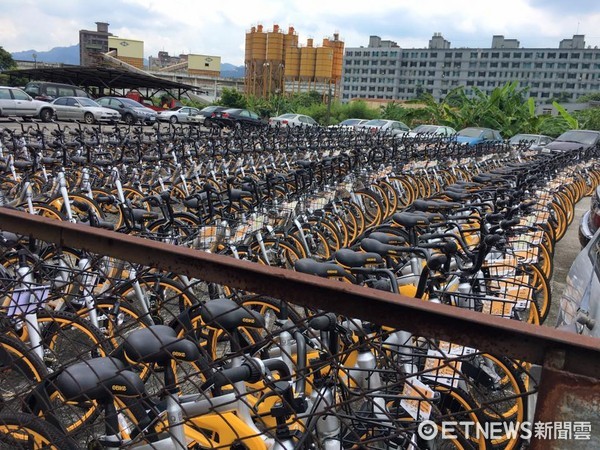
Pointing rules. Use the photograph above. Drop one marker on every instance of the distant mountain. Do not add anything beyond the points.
(70, 55)
(65, 55)
(231, 71)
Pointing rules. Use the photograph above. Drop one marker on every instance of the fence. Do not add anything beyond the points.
(569, 388)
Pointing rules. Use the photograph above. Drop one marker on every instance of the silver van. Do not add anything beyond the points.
(48, 91)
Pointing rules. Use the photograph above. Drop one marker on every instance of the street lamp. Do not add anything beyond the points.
(34, 56)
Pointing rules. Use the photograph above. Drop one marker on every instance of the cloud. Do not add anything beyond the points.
(190, 26)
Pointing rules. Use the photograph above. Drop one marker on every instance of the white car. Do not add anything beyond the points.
(292, 120)
(432, 130)
(83, 109)
(181, 114)
(350, 124)
(15, 102)
(392, 127)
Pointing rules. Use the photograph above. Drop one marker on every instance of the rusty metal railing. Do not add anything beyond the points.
(569, 388)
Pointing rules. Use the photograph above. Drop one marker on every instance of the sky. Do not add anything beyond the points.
(218, 27)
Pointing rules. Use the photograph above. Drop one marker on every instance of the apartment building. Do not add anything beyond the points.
(384, 70)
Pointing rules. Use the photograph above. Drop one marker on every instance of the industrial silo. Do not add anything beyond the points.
(323, 63)
(308, 58)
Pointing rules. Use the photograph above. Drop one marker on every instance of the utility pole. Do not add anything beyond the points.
(328, 117)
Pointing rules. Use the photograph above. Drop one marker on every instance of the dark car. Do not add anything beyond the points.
(574, 140)
(590, 222)
(131, 111)
(207, 111)
(235, 118)
(477, 135)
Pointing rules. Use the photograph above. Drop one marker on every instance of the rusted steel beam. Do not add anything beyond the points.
(567, 411)
(486, 333)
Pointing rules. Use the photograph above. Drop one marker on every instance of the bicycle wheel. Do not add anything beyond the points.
(67, 338)
(20, 371)
(542, 292)
(165, 297)
(25, 431)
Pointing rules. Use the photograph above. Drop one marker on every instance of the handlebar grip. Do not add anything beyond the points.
(510, 223)
(326, 322)
(81, 206)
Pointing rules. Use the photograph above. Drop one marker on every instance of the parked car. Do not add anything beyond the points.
(233, 118)
(392, 127)
(530, 141)
(17, 103)
(574, 140)
(84, 109)
(181, 114)
(432, 130)
(478, 135)
(590, 222)
(130, 110)
(207, 111)
(293, 120)
(48, 91)
(579, 307)
(350, 123)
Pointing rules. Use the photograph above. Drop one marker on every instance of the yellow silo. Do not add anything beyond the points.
(275, 45)
(323, 63)
(338, 56)
(292, 62)
(249, 44)
(259, 47)
(290, 39)
(308, 57)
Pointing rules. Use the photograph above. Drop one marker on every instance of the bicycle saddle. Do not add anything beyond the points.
(349, 258)
(98, 379)
(158, 344)
(374, 246)
(409, 220)
(389, 239)
(228, 315)
(322, 269)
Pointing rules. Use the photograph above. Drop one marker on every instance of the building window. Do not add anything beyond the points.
(458, 55)
(481, 74)
(448, 55)
(358, 54)
(393, 54)
(528, 55)
(494, 64)
(473, 55)
(573, 66)
(495, 55)
(485, 55)
(551, 55)
(506, 55)
(384, 54)
(540, 55)
(517, 55)
(538, 65)
(549, 65)
(516, 65)
(433, 55)
(574, 55)
(349, 53)
(563, 55)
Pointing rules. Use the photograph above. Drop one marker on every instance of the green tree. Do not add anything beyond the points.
(591, 97)
(232, 98)
(571, 120)
(6, 60)
(588, 119)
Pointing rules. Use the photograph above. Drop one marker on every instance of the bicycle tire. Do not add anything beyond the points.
(25, 431)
